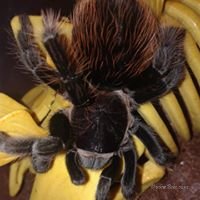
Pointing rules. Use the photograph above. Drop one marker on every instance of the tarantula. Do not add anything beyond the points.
(119, 56)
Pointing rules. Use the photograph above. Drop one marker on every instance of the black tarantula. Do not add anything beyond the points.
(119, 56)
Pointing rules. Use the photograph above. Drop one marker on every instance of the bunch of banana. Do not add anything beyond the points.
(178, 111)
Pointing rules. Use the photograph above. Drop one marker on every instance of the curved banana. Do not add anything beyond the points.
(192, 54)
(148, 177)
(6, 158)
(63, 188)
(192, 101)
(8, 105)
(186, 16)
(150, 115)
(12, 118)
(156, 6)
(167, 20)
(42, 100)
(150, 173)
(175, 115)
(17, 171)
(193, 4)
(14, 125)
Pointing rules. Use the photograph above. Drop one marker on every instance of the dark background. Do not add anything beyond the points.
(185, 172)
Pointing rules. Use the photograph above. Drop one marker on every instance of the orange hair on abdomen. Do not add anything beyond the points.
(115, 39)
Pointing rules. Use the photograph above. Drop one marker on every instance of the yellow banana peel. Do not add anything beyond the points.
(139, 146)
(66, 190)
(12, 118)
(17, 172)
(6, 158)
(152, 118)
(148, 177)
(192, 101)
(61, 187)
(192, 54)
(193, 4)
(186, 16)
(7, 105)
(156, 6)
(167, 20)
(14, 125)
(175, 115)
(43, 102)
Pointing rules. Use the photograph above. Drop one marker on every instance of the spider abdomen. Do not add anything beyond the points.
(112, 41)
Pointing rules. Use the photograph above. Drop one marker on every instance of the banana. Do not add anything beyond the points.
(150, 115)
(7, 105)
(14, 125)
(186, 16)
(166, 20)
(139, 146)
(65, 28)
(156, 6)
(192, 54)
(148, 177)
(6, 158)
(39, 100)
(192, 101)
(46, 187)
(12, 118)
(188, 90)
(150, 172)
(16, 175)
(175, 115)
(193, 4)
(42, 100)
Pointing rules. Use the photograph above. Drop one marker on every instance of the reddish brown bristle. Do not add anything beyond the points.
(115, 38)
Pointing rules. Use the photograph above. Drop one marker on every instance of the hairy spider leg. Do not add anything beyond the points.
(59, 126)
(106, 179)
(42, 150)
(129, 175)
(158, 150)
(170, 53)
(32, 57)
(76, 172)
(17, 146)
(57, 46)
(169, 59)
(166, 70)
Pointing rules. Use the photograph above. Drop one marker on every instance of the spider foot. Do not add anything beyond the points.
(43, 152)
(75, 171)
(129, 176)
(106, 179)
